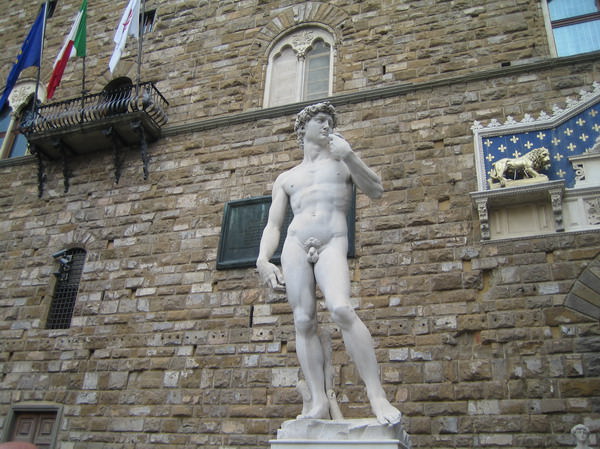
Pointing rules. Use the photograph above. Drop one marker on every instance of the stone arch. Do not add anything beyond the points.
(584, 296)
(319, 14)
(77, 238)
(328, 16)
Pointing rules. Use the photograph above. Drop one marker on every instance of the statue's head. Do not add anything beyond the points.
(309, 112)
(580, 432)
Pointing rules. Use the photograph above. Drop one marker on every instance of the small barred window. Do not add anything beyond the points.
(69, 272)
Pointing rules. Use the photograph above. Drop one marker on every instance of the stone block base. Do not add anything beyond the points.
(340, 434)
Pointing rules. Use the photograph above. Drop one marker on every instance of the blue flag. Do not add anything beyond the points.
(28, 56)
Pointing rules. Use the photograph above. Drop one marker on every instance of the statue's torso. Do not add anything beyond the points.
(320, 193)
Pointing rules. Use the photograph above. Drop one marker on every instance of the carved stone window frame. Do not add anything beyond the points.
(35, 408)
(300, 39)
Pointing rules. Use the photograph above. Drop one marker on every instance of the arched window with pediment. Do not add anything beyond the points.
(300, 67)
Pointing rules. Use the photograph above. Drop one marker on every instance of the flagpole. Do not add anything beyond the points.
(39, 71)
(140, 48)
(83, 91)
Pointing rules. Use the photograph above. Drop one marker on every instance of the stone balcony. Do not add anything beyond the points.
(112, 120)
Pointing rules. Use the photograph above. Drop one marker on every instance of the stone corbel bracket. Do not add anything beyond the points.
(551, 191)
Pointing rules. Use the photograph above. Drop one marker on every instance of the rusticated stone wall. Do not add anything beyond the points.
(475, 345)
(208, 56)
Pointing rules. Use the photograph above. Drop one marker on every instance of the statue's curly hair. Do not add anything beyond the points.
(579, 427)
(309, 112)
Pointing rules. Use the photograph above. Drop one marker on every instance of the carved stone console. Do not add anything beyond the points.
(520, 211)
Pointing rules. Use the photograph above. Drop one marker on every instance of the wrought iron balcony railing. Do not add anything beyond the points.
(112, 119)
(99, 107)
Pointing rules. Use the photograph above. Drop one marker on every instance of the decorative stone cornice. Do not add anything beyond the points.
(378, 93)
(573, 106)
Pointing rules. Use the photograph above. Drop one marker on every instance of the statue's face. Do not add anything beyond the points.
(318, 128)
(581, 435)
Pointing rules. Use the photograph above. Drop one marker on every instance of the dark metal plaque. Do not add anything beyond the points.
(241, 231)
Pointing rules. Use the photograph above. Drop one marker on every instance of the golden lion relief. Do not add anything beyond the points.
(526, 166)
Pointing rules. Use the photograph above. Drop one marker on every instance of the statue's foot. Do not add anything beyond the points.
(320, 411)
(385, 412)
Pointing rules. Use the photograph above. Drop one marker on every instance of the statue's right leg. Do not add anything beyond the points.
(300, 288)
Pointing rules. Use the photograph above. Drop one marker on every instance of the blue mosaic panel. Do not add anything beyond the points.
(570, 138)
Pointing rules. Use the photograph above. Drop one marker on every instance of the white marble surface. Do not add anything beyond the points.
(334, 434)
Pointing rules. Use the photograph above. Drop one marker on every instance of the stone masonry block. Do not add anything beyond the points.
(469, 370)
(262, 334)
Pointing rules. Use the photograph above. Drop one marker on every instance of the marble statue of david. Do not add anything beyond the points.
(319, 191)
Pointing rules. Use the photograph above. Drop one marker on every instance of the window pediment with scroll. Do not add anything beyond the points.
(540, 176)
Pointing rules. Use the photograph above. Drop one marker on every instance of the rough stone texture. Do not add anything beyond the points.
(475, 344)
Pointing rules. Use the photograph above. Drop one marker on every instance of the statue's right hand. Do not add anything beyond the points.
(270, 275)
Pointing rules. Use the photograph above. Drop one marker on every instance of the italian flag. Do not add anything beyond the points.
(77, 40)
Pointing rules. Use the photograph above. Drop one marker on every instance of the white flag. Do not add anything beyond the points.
(129, 24)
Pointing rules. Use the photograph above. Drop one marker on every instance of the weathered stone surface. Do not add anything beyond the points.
(474, 340)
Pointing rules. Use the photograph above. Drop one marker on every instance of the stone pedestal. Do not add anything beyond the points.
(340, 434)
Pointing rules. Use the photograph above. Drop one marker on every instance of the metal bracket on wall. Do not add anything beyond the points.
(67, 172)
(117, 142)
(137, 126)
(41, 174)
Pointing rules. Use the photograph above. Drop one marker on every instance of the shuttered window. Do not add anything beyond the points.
(32, 427)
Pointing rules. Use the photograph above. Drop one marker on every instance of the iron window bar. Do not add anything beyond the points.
(68, 277)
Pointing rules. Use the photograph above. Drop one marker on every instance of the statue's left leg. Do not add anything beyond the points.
(332, 276)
